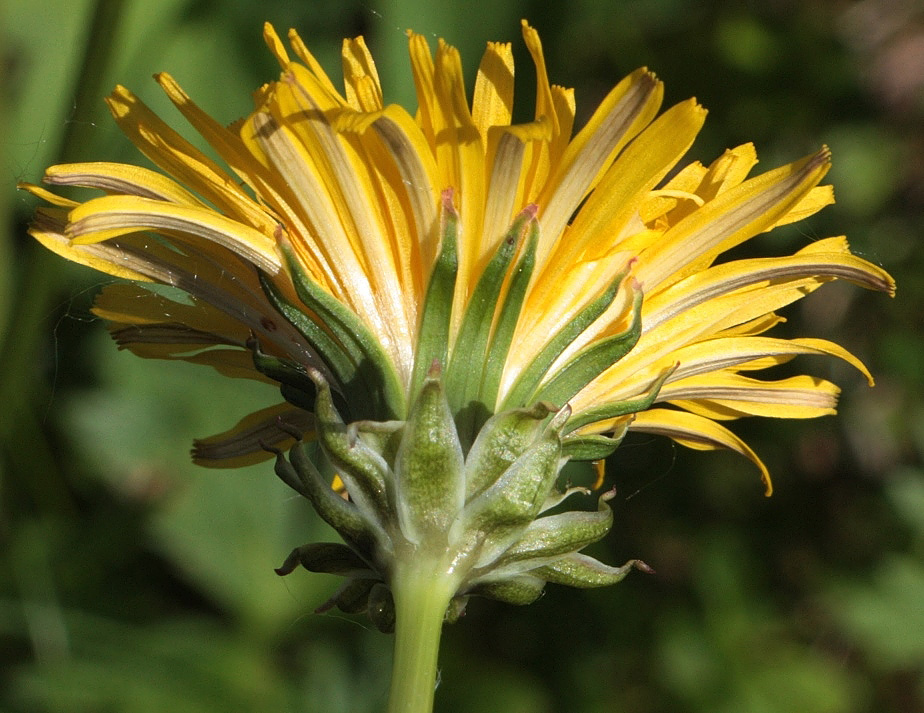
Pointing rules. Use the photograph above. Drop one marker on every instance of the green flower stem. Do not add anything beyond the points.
(422, 591)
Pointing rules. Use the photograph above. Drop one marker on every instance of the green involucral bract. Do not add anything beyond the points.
(434, 479)
(465, 375)
(527, 384)
(429, 482)
(433, 339)
(415, 493)
(347, 347)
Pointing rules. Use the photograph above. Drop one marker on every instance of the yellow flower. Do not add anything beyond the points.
(533, 263)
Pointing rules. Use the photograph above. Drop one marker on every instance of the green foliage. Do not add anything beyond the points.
(882, 610)
(131, 581)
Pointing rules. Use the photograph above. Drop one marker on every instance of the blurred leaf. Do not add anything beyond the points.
(746, 44)
(746, 658)
(344, 679)
(144, 413)
(795, 679)
(187, 666)
(42, 86)
(866, 167)
(473, 687)
(688, 662)
(906, 493)
(885, 616)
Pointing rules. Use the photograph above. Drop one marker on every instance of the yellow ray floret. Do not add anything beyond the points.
(340, 235)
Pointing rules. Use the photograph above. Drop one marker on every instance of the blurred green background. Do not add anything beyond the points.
(131, 581)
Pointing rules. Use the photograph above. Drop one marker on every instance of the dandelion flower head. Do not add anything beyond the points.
(531, 262)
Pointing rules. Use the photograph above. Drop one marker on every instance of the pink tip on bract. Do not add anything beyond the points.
(609, 494)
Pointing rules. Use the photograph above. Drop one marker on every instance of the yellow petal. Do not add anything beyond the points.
(121, 178)
(706, 286)
(341, 186)
(231, 363)
(630, 377)
(727, 171)
(302, 52)
(457, 147)
(344, 238)
(564, 107)
(226, 143)
(816, 199)
(108, 217)
(48, 226)
(52, 198)
(492, 102)
(405, 212)
(659, 348)
(417, 172)
(729, 219)
(361, 79)
(628, 108)
(247, 442)
(129, 304)
(726, 395)
(168, 150)
(512, 151)
(614, 203)
(271, 38)
(545, 104)
(699, 433)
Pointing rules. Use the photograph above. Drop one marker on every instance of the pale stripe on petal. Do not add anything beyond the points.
(171, 152)
(725, 395)
(107, 258)
(509, 157)
(121, 178)
(623, 381)
(611, 209)
(703, 287)
(406, 144)
(110, 216)
(339, 169)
